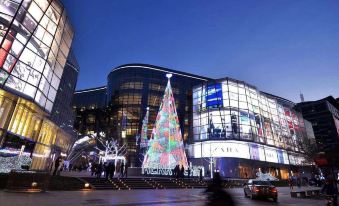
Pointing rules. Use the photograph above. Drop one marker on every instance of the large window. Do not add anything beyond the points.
(234, 110)
(33, 48)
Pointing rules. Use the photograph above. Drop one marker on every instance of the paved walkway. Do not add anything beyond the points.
(181, 197)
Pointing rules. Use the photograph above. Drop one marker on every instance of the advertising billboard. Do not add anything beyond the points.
(257, 152)
(214, 95)
(271, 155)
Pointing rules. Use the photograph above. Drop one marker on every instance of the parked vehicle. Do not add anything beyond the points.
(258, 188)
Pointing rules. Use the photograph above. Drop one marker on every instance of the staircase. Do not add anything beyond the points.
(100, 184)
(143, 183)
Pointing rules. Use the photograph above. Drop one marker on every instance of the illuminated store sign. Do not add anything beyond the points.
(225, 149)
(245, 150)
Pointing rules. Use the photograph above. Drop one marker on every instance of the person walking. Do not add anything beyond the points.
(299, 182)
(126, 170)
(94, 168)
(111, 170)
(331, 191)
(122, 167)
(200, 174)
(182, 171)
(61, 166)
(99, 170)
(290, 182)
(188, 173)
(56, 165)
(216, 195)
(176, 171)
(106, 170)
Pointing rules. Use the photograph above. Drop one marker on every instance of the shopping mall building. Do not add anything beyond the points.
(35, 40)
(226, 123)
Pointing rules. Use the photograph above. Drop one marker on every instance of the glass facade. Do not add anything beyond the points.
(62, 112)
(35, 38)
(26, 130)
(133, 88)
(89, 107)
(243, 129)
(233, 110)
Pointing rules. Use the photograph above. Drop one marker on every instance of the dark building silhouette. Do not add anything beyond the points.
(324, 116)
(89, 106)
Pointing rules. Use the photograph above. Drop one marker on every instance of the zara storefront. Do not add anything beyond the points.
(241, 131)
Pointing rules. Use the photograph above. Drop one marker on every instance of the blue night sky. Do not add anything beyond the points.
(281, 46)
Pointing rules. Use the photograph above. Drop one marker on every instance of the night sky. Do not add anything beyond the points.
(281, 46)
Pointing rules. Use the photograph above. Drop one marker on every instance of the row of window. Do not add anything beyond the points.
(35, 48)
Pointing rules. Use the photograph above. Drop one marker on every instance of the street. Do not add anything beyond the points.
(182, 197)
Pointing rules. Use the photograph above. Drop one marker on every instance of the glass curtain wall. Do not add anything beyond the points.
(230, 109)
(35, 37)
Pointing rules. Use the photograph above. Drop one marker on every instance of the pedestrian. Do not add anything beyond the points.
(176, 171)
(61, 166)
(111, 170)
(93, 168)
(126, 169)
(182, 171)
(290, 182)
(106, 170)
(216, 195)
(122, 167)
(188, 172)
(330, 190)
(99, 170)
(299, 182)
(56, 165)
(200, 174)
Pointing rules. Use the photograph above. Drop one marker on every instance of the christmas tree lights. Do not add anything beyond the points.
(166, 149)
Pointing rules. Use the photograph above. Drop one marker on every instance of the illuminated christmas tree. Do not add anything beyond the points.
(144, 129)
(166, 149)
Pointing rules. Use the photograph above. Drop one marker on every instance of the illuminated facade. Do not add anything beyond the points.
(225, 123)
(236, 124)
(132, 88)
(35, 39)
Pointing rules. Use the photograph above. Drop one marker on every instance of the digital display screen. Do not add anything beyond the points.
(214, 95)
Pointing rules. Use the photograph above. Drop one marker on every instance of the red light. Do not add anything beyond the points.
(256, 189)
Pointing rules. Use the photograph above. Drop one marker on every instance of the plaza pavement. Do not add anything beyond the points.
(181, 197)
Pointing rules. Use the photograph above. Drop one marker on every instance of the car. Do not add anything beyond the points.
(260, 188)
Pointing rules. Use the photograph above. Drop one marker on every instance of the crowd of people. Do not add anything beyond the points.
(109, 169)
